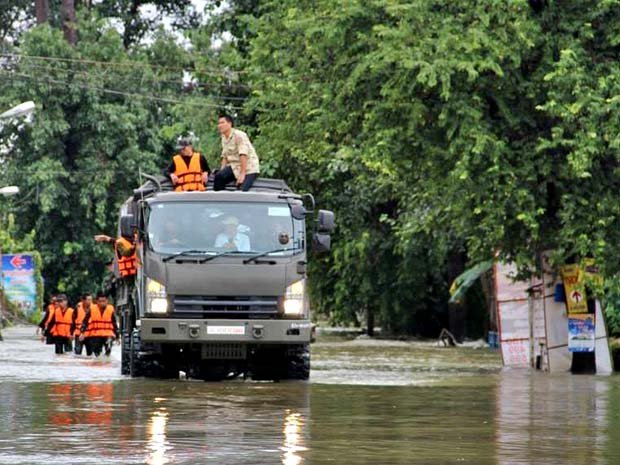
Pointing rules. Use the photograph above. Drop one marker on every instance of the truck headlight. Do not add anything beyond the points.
(294, 298)
(156, 298)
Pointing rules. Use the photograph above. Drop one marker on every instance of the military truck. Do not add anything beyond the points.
(221, 285)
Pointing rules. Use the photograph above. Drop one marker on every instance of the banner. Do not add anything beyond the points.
(18, 281)
(581, 333)
(575, 289)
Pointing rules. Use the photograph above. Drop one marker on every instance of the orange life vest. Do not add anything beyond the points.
(100, 325)
(51, 308)
(79, 318)
(62, 322)
(126, 265)
(190, 177)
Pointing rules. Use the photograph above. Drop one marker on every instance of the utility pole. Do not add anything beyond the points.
(69, 21)
(42, 9)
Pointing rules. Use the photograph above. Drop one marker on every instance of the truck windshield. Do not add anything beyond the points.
(213, 227)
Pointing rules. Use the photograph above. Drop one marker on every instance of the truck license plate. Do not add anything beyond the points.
(226, 330)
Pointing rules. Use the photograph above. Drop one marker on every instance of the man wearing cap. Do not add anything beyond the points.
(231, 238)
(239, 159)
(189, 170)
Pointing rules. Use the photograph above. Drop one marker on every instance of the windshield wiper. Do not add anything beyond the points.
(262, 254)
(185, 252)
(220, 254)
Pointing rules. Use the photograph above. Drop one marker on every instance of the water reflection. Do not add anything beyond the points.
(293, 439)
(541, 415)
(389, 405)
(158, 444)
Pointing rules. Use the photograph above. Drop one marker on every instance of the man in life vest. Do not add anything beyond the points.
(189, 170)
(85, 303)
(125, 254)
(61, 325)
(47, 316)
(99, 327)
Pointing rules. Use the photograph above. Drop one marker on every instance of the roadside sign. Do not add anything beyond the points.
(18, 281)
(575, 289)
(581, 333)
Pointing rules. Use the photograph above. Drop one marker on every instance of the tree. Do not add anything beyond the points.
(42, 8)
(440, 129)
(137, 24)
(97, 126)
(69, 21)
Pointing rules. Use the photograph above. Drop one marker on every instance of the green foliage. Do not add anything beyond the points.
(101, 112)
(434, 129)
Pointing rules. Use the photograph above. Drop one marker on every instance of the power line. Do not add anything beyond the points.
(141, 79)
(186, 85)
(127, 63)
(121, 93)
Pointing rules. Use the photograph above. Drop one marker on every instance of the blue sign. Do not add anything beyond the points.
(18, 281)
(581, 332)
(17, 262)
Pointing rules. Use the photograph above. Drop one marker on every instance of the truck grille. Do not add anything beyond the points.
(225, 306)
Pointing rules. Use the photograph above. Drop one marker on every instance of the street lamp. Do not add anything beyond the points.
(22, 109)
(9, 190)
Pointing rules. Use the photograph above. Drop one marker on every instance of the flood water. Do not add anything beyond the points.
(367, 402)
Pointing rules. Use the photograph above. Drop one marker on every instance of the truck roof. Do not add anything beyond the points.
(224, 196)
(264, 190)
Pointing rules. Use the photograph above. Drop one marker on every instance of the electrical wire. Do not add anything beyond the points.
(104, 90)
(127, 63)
(139, 79)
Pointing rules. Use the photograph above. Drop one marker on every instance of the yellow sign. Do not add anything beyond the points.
(575, 289)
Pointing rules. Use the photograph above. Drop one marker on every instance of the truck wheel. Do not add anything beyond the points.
(136, 363)
(290, 362)
(126, 354)
(297, 362)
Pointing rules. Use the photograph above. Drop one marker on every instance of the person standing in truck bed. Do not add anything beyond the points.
(239, 160)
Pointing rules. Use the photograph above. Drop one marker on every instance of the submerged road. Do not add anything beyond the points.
(368, 402)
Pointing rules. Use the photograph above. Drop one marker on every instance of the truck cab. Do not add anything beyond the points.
(221, 285)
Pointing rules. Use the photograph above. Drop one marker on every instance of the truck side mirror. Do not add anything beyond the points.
(326, 221)
(298, 211)
(128, 224)
(321, 243)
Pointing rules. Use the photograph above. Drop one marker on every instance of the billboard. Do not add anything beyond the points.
(18, 281)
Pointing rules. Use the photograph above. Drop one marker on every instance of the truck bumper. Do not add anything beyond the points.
(245, 331)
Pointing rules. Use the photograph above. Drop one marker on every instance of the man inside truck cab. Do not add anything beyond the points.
(230, 238)
(189, 170)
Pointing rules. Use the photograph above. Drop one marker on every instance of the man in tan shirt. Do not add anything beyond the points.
(239, 159)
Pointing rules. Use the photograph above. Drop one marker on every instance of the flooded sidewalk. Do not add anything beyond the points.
(368, 402)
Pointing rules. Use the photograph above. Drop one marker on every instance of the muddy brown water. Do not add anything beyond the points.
(367, 402)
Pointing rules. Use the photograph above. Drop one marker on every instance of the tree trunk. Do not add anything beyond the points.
(370, 322)
(42, 9)
(488, 289)
(69, 21)
(457, 313)
(132, 24)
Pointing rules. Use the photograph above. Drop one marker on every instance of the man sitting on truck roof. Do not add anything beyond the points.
(239, 159)
(189, 170)
(231, 238)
